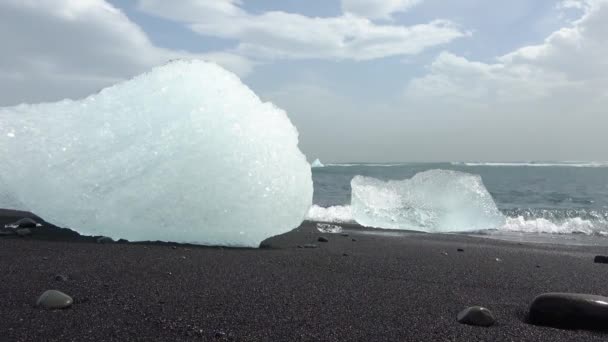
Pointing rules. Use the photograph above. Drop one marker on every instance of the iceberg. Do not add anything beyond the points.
(317, 163)
(183, 153)
(431, 201)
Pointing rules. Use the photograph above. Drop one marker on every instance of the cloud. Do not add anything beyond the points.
(571, 59)
(544, 101)
(377, 9)
(277, 34)
(54, 49)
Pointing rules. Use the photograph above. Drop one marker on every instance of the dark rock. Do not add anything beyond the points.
(123, 241)
(476, 315)
(601, 259)
(61, 277)
(460, 250)
(354, 240)
(45, 258)
(300, 246)
(322, 239)
(265, 245)
(220, 334)
(53, 299)
(173, 247)
(23, 232)
(104, 239)
(570, 311)
(344, 234)
(310, 245)
(344, 254)
(25, 222)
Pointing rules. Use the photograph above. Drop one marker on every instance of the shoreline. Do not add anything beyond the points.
(389, 287)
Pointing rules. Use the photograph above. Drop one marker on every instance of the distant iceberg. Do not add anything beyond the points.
(317, 163)
(431, 201)
(183, 153)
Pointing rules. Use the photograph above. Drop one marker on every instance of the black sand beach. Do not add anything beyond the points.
(377, 288)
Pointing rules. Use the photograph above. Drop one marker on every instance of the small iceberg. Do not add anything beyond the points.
(317, 163)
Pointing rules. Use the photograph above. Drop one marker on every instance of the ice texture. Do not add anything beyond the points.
(317, 163)
(431, 201)
(183, 153)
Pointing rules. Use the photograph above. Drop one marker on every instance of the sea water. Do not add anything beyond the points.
(565, 202)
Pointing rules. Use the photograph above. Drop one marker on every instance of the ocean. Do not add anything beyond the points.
(565, 202)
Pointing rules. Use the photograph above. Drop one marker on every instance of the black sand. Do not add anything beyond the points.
(387, 288)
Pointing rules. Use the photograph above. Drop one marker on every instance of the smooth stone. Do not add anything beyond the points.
(322, 239)
(53, 299)
(23, 232)
(570, 311)
(476, 315)
(104, 239)
(600, 259)
(310, 245)
(25, 222)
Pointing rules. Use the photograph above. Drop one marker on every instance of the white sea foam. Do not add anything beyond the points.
(574, 225)
(335, 214)
(535, 164)
(184, 153)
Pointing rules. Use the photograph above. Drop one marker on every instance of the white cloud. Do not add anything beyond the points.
(377, 9)
(54, 49)
(571, 59)
(545, 101)
(279, 34)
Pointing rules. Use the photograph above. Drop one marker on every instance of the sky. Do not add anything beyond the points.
(362, 80)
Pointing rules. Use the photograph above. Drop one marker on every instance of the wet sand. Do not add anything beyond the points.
(381, 287)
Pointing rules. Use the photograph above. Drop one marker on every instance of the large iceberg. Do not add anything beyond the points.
(183, 153)
(431, 201)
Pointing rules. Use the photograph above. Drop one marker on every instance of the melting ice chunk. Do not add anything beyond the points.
(329, 228)
(431, 201)
(184, 153)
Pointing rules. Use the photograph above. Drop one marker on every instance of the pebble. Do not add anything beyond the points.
(476, 315)
(322, 239)
(570, 311)
(61, 277)
(601, 259)
(354, 240)
(104, 239)
(53, 299)
(460, 250)
(310, 245)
